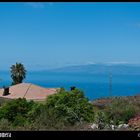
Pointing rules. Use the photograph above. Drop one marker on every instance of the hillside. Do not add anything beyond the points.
(101, 69)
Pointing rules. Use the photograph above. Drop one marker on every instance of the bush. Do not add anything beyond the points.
(65, 109)
(5, 125)
(17, 111)
(61, 111)
(101, 119)
(120, 111)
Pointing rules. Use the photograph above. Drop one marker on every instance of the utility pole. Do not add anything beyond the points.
(0, 79)
(110, 85)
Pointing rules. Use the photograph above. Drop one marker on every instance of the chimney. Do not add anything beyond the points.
(6, 91)
(73, 88)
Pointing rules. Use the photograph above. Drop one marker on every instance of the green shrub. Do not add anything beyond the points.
(19, 121)
(65, 109)
(5, 125)
(61, 111)
(101, 119)
(17, 111)
(120, 111)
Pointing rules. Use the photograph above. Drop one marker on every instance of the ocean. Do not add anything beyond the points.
(94, 86)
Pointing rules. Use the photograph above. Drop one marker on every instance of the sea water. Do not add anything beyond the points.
(94, 86)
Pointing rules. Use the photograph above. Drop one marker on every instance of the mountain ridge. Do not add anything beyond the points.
(126, 69)
(100, 69)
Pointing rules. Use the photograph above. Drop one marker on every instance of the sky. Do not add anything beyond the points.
(53, 34)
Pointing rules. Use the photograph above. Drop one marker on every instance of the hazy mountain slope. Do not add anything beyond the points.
(101, 69)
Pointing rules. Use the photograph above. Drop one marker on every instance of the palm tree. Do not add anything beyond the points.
(18, 73)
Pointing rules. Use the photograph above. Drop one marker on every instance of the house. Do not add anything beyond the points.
(28, 91)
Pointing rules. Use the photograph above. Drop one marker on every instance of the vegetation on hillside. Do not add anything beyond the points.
(69, 110)
(118, 111)
(60, 111)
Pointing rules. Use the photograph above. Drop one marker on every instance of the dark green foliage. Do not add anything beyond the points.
(47, 120)
(18, 73)
(69, 107)
(18, 111)
(60, 111)
(66, 110)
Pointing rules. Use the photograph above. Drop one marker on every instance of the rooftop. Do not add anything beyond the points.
(28, 91)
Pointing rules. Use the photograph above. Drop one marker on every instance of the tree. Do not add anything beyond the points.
(18, 73)
(66, 107)
(19, 111)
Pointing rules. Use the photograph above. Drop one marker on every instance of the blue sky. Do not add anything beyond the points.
(49, 35)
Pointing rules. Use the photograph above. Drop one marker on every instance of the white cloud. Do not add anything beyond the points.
(51, 3)
(137, 24)
(122, 63)
(39, 4)
(90, 62)
(36, 4)
(118, 62)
